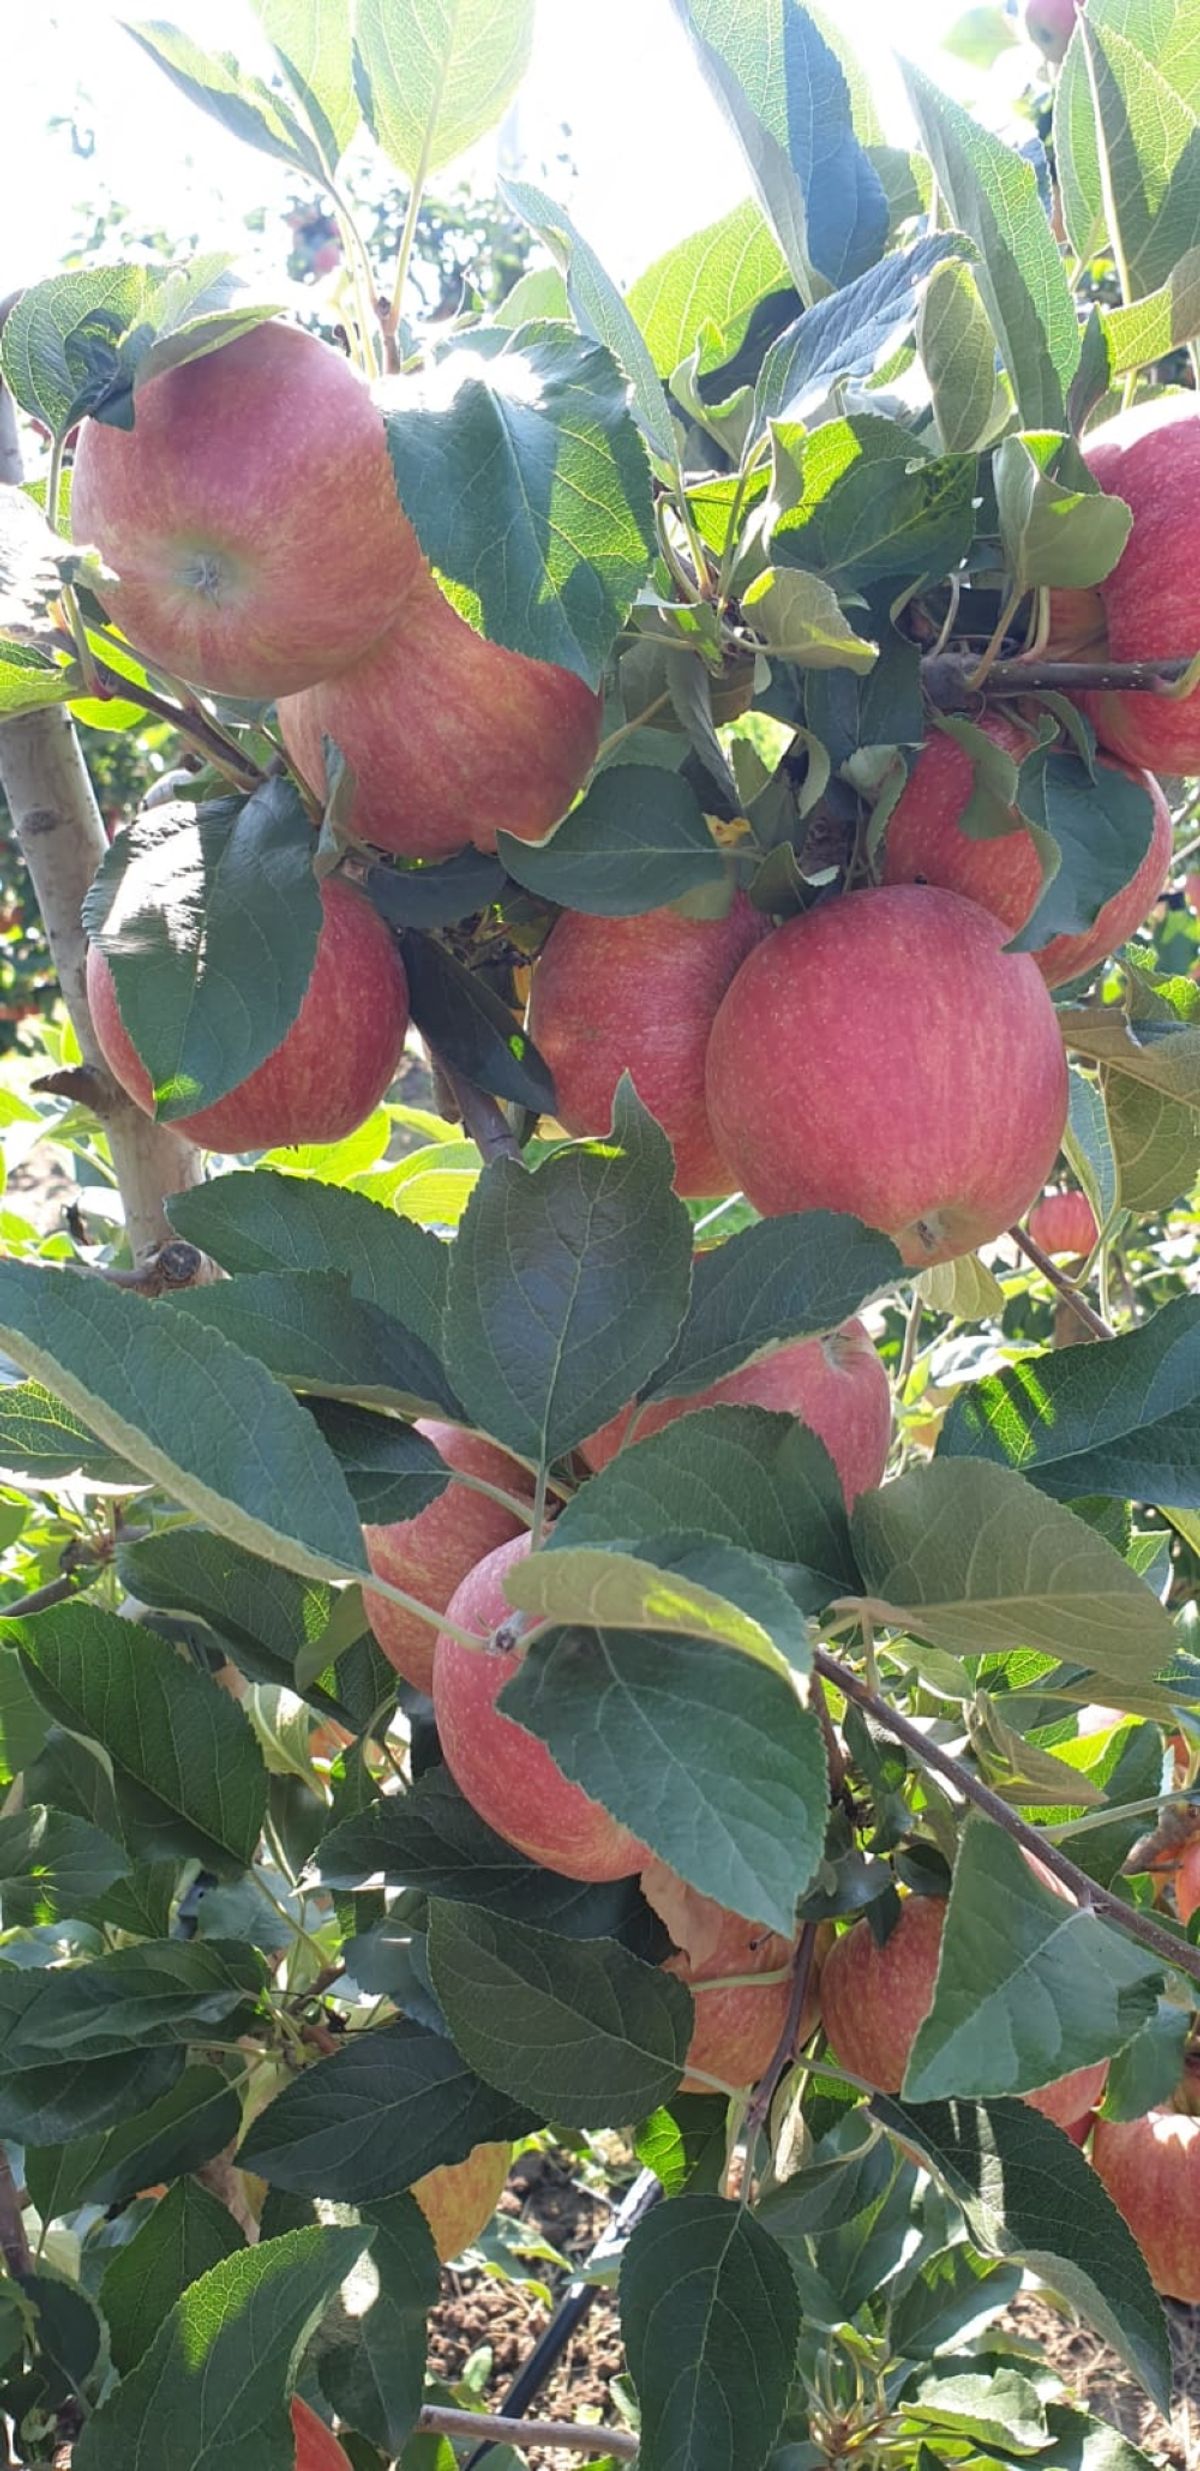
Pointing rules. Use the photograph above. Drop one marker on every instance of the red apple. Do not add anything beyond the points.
(1191, 891)
(1187, 1881)
(837, 1385)
(638, 995)
(333, 1065)
(1050, 24)
(506, 1774)
(1064, 1223)
(451, 738)
(874, 1998)
(459, 2198)
(884, 1055)
(924, 845)
(251, 515)
(317, 2448)
(1151, 2169)
(430, 1555)
(1150, 456)
(737, 2023)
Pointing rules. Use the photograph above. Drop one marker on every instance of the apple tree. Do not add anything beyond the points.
(655, 1594)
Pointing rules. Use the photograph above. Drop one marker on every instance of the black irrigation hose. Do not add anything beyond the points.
(572, 2308)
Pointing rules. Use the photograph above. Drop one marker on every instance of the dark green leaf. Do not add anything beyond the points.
(785, 1279)
(994, 2406)
(1052, 533)
(241, 103)
(52, 1865)
(1101, 828)
(1144, 2076)
(263, 1220)
(952, 2297)
(686, 2144)
(171, 2133)
(436, 896)
(63, 341)
(307, 1327)
(40, 1440)
(1126, 1426)
(711, 2321)
(370, 2351)
(579, 2028)
(858, 499)
(187, 2234)
(1126, 142)
(74, 2098)
(852, 332)
(636, 841)
(599, 310)
(160, 1992)
(396, 2102)
(958, 350)
(465, 1021)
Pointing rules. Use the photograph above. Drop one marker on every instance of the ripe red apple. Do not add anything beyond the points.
(1151, 2169)
(1064, 1223)
(1150, 456)
(317, 2448)
(430, 1555)
(333, 1065)
(506, 1774)
(251, 515)
(1187, 1881)
(1191, 891)
(1050, 24)
(837, 1385)
(883, 1055)
(874, 1998)
(451, 738)
(459, 2198)
(925, 845)
(737, 2023)
(638, 995)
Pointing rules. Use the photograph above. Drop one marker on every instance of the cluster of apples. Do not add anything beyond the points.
(214, 513)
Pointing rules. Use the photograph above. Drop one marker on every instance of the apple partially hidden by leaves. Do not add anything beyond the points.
(837, 1385)
(431, 1554)
(1050, 24)
(639, 995)
(1002, 871)
(1151, 2169)
(331, 1067)
(884, 1055)
(451, 739)
(1064, 1223)
(738, 2019)
(317, 2448)
(250, 515)
(874, 1998)
(507, 1775)
(1150, 457)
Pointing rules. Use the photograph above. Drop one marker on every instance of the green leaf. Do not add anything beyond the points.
(216, 2378)
(994, 2406)
(243, 104)
(312, 41)
(530, 491)
(974, 1559)
(992, 195)
(75, 2098)
(262, 1220)
(209, 917)
(1101, 828)
(28, 683)
(784, 1279)
(189, 1411)
(852, 332)
(1147, 330)
(637, 840)
(1127, 1426)
(859, 498)
(1146, 2074)
(1051, 534)
(958, 351)
(266, 1618)
(434, 78)
(1029, 1988)
(41, 1441)
(753, 1479)
(604, 1588)
(466, 1022)
(711, 2321)
(188, 2232)
(599, 310)
(567, 1285)
(1027, 2193)
(713, 279)
(431, 1839)
(1126, 146)
(160, 1992)
(815, 183)
(709, 1757)
(427, 895)
(181, 1747)
(685, 2145)
(1158, 1054)
(63, 341)
(1155, 1144)
(1087, 1146)
(801, 620)
(176, 2132)
(53, 1865)
(370, 2351)
(953, 2297)
(394, 2103)
(305, 1326)
(579, 2028)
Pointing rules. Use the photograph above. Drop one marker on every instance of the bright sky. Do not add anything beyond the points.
(652, 153)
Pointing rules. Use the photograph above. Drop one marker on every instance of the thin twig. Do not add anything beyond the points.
(948, 678)
(482, 1117)
(565, 2433)
(14, 2247)
(781, 2058)
(1083, 1311)
(1129, 1918)
(56, 1591)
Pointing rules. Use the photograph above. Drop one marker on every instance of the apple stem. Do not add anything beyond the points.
(781, 2057)
(436, 2420)
(1092, 1321)
(1172, 1949)
(482, 1117)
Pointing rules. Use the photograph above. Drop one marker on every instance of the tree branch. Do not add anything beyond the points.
(1084, 1312)
(946, 678)
(1136, 1924)
(784, 2050)
(62, 840)
(565, 2433)
(482, 1117)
